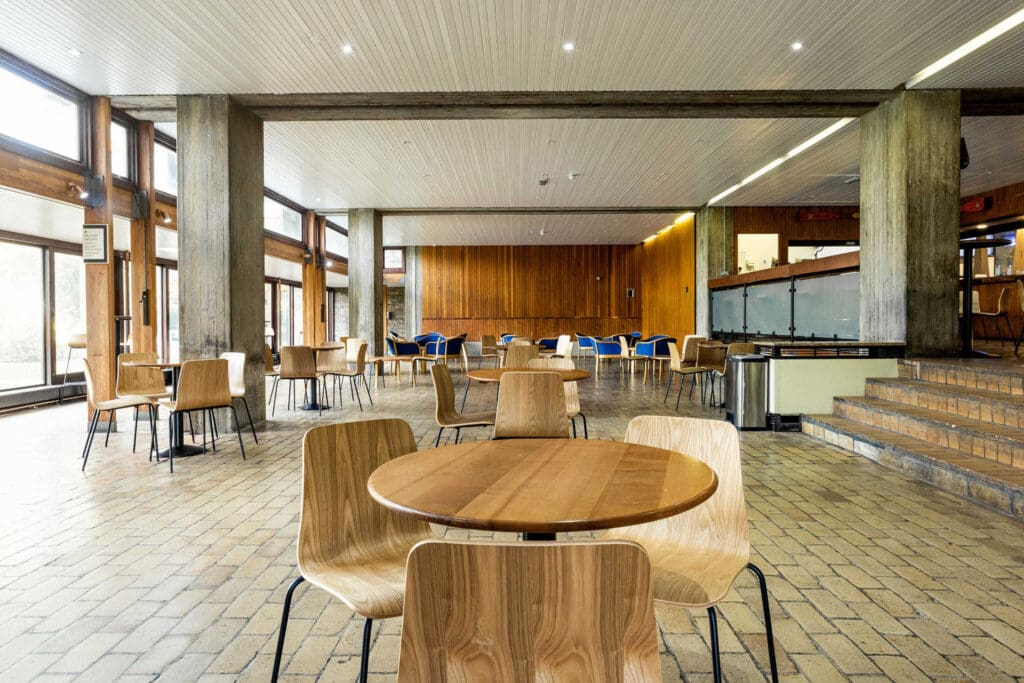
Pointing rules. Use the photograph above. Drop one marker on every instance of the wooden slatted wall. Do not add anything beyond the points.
(668, 282)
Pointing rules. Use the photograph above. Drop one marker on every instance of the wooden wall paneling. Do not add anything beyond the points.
(1006, 201)
(143, 249)
(99, 277)
(668, 282)
(314, 282)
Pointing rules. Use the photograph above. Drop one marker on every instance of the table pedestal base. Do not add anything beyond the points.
(181, 451)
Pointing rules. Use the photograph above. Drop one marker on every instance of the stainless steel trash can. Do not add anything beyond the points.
(746, 390)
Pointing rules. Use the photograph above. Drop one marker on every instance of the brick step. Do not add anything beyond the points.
(1004, 376)
(983, 481)
(976, 404)
(998, 443)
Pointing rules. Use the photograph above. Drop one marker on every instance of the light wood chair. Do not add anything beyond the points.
(709, 356)
(297, 363)
(350, 545)
(75, 342)
(679, 360)
(531, 404)
(572, 392)
(1002, 312)
(269, 370)
(719, 372)
(445, 413)
(520, 341)
(1020, 303)
(697, 555)
(528, 612)
(135, 381)
(356, 370)
(236, 380)
(564, 347)
(518, 355)
(203, 385)
(332, 364)
(111, 407)
(489, 349)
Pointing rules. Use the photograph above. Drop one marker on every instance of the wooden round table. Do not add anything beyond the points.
(491, 375)
(542, 486)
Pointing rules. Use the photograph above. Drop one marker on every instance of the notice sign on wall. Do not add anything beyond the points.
(94, 243)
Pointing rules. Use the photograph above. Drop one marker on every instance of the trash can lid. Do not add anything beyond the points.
(748, 358)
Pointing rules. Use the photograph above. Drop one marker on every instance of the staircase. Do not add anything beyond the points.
(958, 425)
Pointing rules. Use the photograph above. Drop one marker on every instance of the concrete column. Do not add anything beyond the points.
(714, 258)
(413, 292)
(910, 222)
(366, 278)
(220, 235)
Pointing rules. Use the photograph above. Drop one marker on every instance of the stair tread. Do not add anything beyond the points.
(946, 420)
(997, 366)
(951, 389)
(990, 469)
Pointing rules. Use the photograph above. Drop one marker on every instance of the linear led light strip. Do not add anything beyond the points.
(1011, 22)
(681, 218)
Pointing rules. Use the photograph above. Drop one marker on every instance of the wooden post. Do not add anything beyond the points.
(101, 343)
(143, 249)
(314, 281)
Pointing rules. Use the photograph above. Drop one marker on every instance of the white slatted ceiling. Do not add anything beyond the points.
(197, 46)
(498, 229)
(478, 163)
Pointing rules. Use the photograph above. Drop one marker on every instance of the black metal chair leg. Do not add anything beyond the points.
(284, 627)
(437, 441)
(352, 388)
(191, 427)
(364, 666)
(716, 657)
(679, 394)
(586, 435)
(170, 451)
(458, 430)
(238, 430)
(249, 415)
(573, 420)
(135, 429)
(153, 431)
(111, 416)
(89, 437)
(763, 585)
(668, 386)
(366, 385)
(1008, 329)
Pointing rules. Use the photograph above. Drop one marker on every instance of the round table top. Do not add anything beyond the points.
(983, 243)
(494, 374)
(542, 485)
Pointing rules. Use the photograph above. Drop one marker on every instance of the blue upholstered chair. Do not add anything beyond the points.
(507, 337)
(653, 349)
(585, 343)
(441, 349)
(608, 350)
(427, 337)
(547, 344)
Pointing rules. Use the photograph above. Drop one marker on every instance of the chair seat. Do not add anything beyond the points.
(371, 587)
(688, 576)
(472, 420)
(123, 402)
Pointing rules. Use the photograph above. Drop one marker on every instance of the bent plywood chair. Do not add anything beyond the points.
(350, 545)
(111, 407)
(528, 612)
(445, 412)
(698, 554)
(531, 405)
(572, 392)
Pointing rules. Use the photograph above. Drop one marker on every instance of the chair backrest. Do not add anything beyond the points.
(90, 388)
(333, 345)
(268, 358)
(580, 611)
(563, 347)
(134, 381)
(76, 341)
(531, 404)
(332, 359)
(624, 346)
(488, 344)
(735, 349)
(572, 392)
(203, 384)
(454, 345)
(519, 341)
(1020, 295)
(585, 342)
(675, 360)
(517, 356)
(352, 348)
(236, 372)
(444, 395)
(720, 523)
(690, 343)
(1004, 300)
(338, 518)
(711, 356)
(297, 362)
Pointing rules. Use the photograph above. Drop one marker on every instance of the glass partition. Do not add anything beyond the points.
(41, 118)
(68, 309)
(727, 310)
(768, 309)
(22, 360)
(828, 306)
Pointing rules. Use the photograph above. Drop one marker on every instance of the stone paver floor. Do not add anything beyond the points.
(131, 573)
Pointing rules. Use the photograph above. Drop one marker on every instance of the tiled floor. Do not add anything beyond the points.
(131, 573)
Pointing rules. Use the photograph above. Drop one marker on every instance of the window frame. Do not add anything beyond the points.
(288, 203)
(394, 270)
(337, 258)
(131, 181)
(66, 91)
(162, 138)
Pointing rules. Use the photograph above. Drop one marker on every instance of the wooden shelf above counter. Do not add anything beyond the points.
(829, 264)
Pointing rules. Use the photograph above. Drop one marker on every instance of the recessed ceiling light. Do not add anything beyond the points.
(346, 49)
(317, 200)
(74, 52)
(796, 46)
(568, 47)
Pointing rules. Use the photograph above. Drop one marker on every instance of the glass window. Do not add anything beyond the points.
(36, 115)
(394, 260)
(756, 252)
(68, 309)
(173, 327)
(119, 149)
(280, 219)
(284, 309)
(161, 312)
(22, 306)
(337, 243)
(165, 169)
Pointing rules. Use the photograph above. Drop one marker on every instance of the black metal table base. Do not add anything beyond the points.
(538, 536)
(184, 451)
